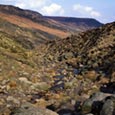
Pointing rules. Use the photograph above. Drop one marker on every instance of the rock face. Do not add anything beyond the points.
(29, 109)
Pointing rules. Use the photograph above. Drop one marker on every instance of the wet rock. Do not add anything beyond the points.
(29, 109)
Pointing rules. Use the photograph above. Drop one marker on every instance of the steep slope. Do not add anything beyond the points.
(94, 48)
(31, 21)
(29, 31)
(82, 65)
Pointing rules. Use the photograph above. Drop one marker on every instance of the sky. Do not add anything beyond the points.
(102, 10)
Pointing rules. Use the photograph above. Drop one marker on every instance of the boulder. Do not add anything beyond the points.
(108, 107)
(29, 109)
(94, 103)
(42, 86)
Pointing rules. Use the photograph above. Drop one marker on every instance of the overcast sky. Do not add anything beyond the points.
(102, 10)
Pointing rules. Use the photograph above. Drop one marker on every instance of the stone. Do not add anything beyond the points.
(92, 75)
(13, 100)
(41, 103)
(104, 80)
(68, 55)
(113, 77)
(108, 107)
(12, 84)
(28, 109)
(94, 102)
(4, 111)
(25, 80)
(40, 86)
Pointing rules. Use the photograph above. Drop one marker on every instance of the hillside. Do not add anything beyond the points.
(76, 24)
(59, 73)
(94, 47)
(73, 76)
(84, 70)
(39, 27)
(32, 24)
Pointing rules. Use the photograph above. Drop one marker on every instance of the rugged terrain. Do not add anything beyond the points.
(37, 26)
(73, 76)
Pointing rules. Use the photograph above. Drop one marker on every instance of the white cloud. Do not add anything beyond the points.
(8, 0)
(21, 5)
(46, 7)
(95, 14)
(32, 4)
(86, 10)
(53, 9)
